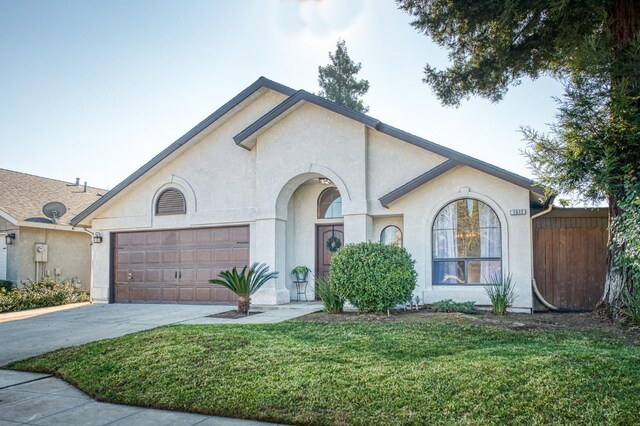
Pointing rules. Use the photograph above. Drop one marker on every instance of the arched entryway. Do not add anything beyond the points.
(314, 230)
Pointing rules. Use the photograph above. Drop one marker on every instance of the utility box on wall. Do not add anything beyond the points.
(41, 252)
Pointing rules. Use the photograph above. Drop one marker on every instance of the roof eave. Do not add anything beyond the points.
(220, 112)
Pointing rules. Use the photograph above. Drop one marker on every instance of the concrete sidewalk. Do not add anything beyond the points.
(40, 399)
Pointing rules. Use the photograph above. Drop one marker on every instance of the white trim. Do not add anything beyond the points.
(8, 217)
(53, 226)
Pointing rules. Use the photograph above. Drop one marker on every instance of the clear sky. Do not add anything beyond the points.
(94, 89)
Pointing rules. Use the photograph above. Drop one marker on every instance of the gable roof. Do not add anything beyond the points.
(249, 134)
(235, 101)
(22, 197)
(247, 137)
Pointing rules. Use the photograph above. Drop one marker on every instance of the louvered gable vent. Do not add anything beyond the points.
(171, 201)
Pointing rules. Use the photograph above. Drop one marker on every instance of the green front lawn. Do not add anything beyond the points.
(426, 371)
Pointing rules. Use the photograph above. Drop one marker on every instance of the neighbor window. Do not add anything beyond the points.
(391, 235)
(466, 244)
(171, 201)
(329, 204)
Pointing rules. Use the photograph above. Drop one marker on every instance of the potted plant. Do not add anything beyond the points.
(300, 272)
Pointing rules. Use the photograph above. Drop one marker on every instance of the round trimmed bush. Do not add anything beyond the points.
(373, 277)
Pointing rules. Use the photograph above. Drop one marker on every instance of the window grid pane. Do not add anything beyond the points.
(467, 247)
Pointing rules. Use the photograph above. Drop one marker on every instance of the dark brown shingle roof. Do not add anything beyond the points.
(23, 195)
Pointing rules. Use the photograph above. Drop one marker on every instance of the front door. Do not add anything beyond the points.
(323, 254)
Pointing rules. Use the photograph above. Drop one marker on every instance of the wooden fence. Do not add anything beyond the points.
(569, 257)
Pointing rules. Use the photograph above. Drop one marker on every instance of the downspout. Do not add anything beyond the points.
(533, 279)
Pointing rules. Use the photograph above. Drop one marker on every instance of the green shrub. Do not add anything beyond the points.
(326, 291)
(451, 306)
(6, 284)
(631, 299)
(40, 295)
(372, 276)
(501, 292)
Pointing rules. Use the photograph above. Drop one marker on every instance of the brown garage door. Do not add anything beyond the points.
(176, 265)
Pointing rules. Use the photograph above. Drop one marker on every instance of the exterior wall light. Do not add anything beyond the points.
(8, 239)
(97, 238)
(325, 181)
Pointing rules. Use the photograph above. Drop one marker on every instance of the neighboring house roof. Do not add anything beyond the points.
(239, 98)
(22, 197)
(247, 136)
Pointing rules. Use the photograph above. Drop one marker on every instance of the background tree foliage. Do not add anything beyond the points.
(338, 80)
(593, 46)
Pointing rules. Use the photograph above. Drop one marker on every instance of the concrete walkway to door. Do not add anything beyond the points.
(24, 338)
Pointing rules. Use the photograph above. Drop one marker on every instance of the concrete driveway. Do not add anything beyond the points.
(24, 338)
(28, 337)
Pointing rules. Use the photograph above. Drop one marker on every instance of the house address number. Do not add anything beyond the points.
(518, 212)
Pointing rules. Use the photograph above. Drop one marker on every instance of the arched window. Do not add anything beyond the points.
(170, 201)
(329, 204)
(467, 247)
(391, 235)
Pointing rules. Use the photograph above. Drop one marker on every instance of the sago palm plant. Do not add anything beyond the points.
(245, 283)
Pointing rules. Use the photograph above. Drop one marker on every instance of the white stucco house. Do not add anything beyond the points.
(274, 173)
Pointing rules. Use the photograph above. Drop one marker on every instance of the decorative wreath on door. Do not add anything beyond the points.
(333, 243)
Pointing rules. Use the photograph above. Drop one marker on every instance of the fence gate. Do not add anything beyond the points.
(569, 257)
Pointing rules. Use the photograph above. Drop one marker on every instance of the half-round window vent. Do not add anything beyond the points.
(170, 201)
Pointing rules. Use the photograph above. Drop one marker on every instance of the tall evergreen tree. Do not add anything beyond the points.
(593, 47)
(338, 80)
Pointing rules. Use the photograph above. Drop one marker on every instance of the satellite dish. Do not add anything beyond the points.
(54, 210)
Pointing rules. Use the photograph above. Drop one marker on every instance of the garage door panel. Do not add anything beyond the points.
(137, 275)
(241, 234)
(170, 257)
(154, 257)
(169, 275)
(169, 294)
(154, 239)
(137, 293)
(203, 275)
(240, 253)
(186, 294)
(203, 294)
(154, 276)
(122, 292)
(187, 237)
(221, 235)
(146, 264)
(203, 255)
(122, 257)
(169, 239)
(188, 276)
(222, 255)
(152, 294)
(203, 236)
(187, 257)
(138, 239)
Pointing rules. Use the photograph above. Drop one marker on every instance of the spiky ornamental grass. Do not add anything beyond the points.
(501, 292)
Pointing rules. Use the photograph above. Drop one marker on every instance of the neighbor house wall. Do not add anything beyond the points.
(12, 250)
(68, 250)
